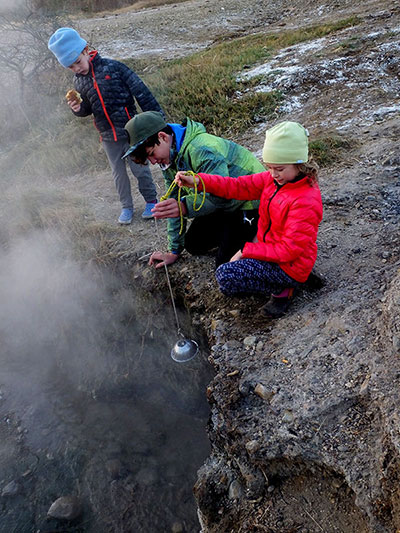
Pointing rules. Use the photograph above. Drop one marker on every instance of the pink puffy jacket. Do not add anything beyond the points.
(289, 218)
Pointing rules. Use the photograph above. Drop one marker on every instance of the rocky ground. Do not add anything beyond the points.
(304, 419)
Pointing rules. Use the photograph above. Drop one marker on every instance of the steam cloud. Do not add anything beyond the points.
(7, 5)
(53, 312)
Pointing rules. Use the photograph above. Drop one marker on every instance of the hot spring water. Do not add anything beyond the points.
(92, 405)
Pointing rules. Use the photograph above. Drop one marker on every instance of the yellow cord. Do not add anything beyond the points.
(172, 187)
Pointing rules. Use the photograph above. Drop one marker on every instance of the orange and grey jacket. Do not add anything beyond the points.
(109, 92)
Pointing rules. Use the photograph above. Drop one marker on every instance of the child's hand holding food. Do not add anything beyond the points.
(74, 99)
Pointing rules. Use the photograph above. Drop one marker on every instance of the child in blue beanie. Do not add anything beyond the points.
(108, 89)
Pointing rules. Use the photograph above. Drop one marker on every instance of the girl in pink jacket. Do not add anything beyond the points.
(285, 250)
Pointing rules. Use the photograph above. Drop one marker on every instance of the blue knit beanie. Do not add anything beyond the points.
(67, 45)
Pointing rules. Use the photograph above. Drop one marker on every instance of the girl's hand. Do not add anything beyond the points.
(185, 180)
(236, 257)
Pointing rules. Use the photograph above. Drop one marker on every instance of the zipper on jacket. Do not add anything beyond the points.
(127, 113)
(102, 103)
(278, 187)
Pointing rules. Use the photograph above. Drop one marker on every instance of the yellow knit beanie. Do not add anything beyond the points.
(285, 144)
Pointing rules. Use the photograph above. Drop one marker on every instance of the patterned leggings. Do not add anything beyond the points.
(251, 276)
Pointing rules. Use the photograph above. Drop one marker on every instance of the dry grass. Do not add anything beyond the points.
(68, 218)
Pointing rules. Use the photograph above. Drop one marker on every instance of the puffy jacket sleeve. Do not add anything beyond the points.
(139, 90)
(207, 161)
(204, 159)
(86, 108)
(298, 233)
(242, 188)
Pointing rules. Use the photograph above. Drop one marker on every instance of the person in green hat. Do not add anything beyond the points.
(217, 222)
(282, 256)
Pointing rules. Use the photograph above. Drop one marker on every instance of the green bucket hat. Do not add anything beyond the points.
(141, 127)
(286, 144)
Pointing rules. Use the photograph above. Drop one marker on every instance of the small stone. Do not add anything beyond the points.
(271, 488)
(235, 490)
(396, 343)
(11, 489)
(250, 341)
(252, 446)
(232, 345)
(287, 416)
(177, 527)
(65, 508)
(260, 346)
(262, 391)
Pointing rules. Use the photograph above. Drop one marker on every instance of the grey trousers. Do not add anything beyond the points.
(114, 151)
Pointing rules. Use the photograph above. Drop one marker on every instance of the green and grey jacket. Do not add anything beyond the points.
(203, 152)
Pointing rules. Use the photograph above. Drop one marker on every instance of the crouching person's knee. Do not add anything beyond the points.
(193, 248)
(225, 280)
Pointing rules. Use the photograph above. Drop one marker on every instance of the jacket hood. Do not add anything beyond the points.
(192, 130)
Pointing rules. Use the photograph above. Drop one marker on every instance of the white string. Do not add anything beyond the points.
(168, 281)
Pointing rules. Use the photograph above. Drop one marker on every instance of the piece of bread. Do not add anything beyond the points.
(74, 96)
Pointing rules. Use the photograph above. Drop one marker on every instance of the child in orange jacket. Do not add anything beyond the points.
(285, 249)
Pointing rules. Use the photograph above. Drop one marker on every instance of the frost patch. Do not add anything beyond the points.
(123, 49)
(384, 111)
(348, 85)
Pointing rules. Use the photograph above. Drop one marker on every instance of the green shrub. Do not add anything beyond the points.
(328, 150)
